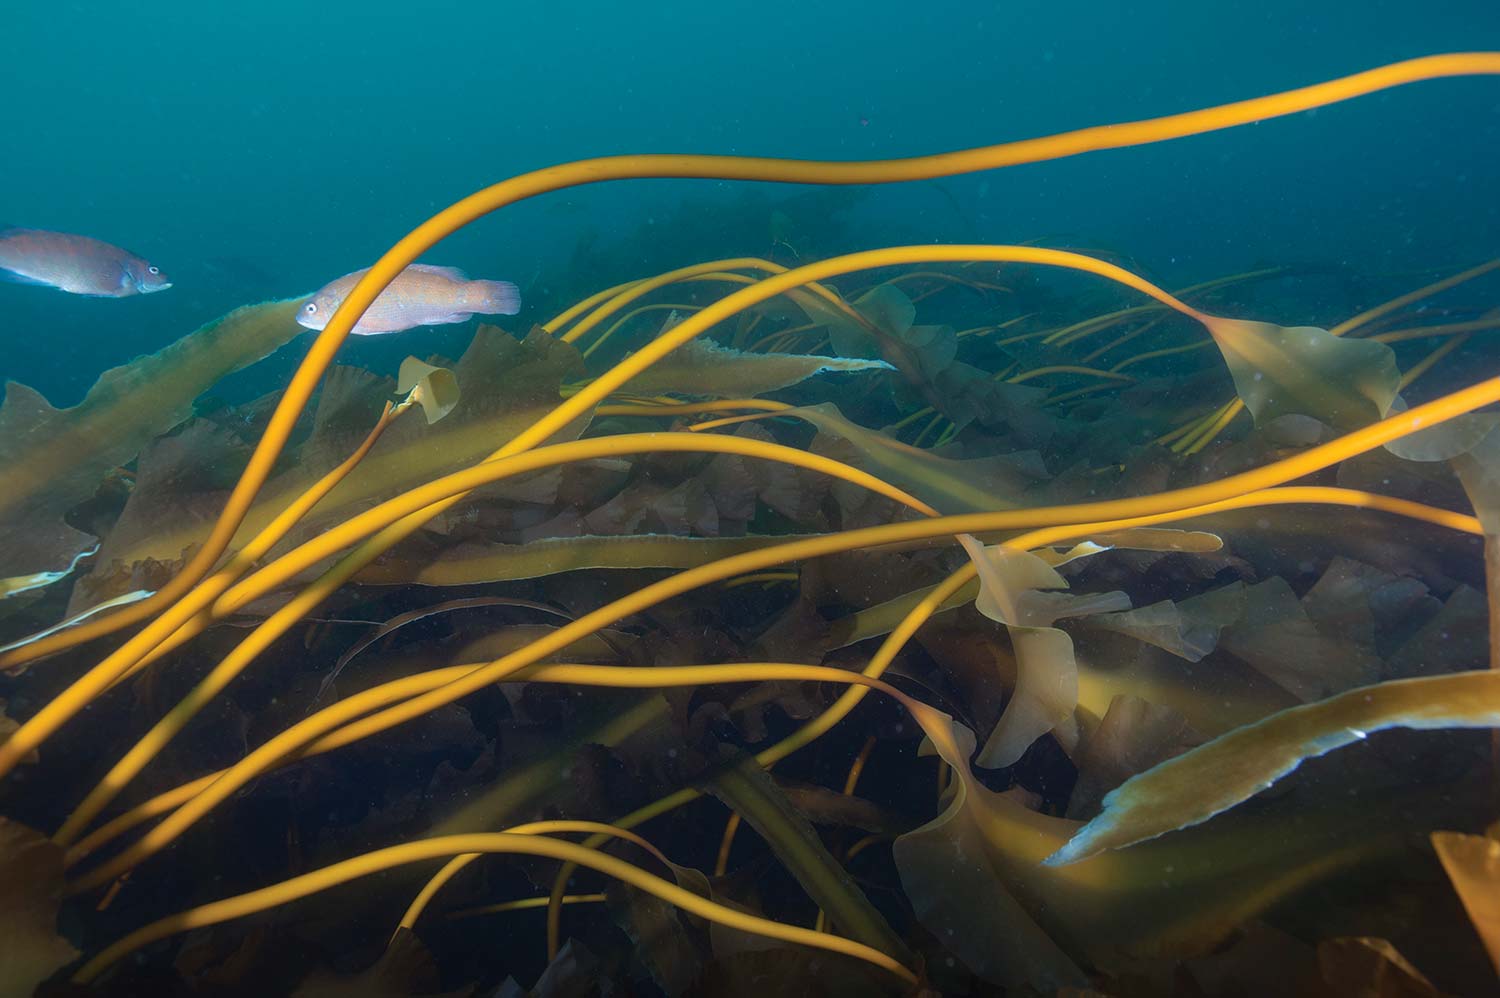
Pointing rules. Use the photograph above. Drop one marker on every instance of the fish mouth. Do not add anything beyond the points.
(147, 289)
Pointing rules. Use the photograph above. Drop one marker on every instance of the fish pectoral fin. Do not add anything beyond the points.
(11, 277)
(455, 317)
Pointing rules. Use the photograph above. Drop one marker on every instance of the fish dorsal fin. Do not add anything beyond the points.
(452, 273)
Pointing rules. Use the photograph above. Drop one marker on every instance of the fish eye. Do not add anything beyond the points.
(153, 270)
(311, 307)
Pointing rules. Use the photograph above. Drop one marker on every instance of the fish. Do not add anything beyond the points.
(421, 295)
(76, 264)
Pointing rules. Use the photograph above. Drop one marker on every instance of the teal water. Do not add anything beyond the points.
(262, 151)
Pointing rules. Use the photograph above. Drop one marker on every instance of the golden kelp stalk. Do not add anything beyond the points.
(1042, 921)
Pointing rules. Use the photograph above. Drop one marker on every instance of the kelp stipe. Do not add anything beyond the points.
(1055, 908)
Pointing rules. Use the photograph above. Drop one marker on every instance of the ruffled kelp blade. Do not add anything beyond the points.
(1195, 786)
(1046, 690)
(1046, 670)
(1304, 370)
(1472, 863)
(51, 460)
(436, 387)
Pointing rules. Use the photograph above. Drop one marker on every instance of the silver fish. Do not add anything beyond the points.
(76, 264)
(421, 295)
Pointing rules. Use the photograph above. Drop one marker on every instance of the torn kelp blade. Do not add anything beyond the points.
(1212, 778)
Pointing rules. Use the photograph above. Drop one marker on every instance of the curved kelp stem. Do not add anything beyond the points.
(287, 615)
(30, 735)
(314, 551)
(481, 203)
(220, 576)
(384, 707)
(560, 827)
(495, 843)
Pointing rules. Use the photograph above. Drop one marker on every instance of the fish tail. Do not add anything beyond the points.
(495, 297)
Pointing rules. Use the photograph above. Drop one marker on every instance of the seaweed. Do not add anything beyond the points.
(1029, 505)
(51, 460)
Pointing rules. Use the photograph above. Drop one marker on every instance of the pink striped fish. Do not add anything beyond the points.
(76, 264)
(421, 295)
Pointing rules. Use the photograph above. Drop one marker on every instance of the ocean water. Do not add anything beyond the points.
(258, 152)
(266, 152)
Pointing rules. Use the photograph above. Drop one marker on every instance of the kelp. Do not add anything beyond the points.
(1307, 371)
(1370, 967)
(1188, 629)
(705, 369)
(942, 862)
(1046, 690)
(927, 358)
(436, 387)
(662, 943)
(1145, 683)
(1133, 736)
(1208, 780)
(404, 969)
(31, 890)
(750, 792)
(476, 542)
(471, 564)
(949, 485)
(506, 385)
(1472, 863)
(1472, 446)
(53, 459)
(975, 879)
(1276, 636)
(1046, 672)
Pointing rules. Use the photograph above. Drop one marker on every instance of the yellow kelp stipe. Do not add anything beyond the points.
(328, 543)
(496, 843)
(392, 704)
(481, 203)
(59, 710)
(561, 827)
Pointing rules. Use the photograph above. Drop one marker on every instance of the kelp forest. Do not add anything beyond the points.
(927, 619)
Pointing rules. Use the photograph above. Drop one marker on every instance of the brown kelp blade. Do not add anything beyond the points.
(1473, 864)
(1232, 768)
(976, 881)
(750, 792)
(948, 484)
(509, 384)
(53, 459)
(1304, 370)
(31, 889)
